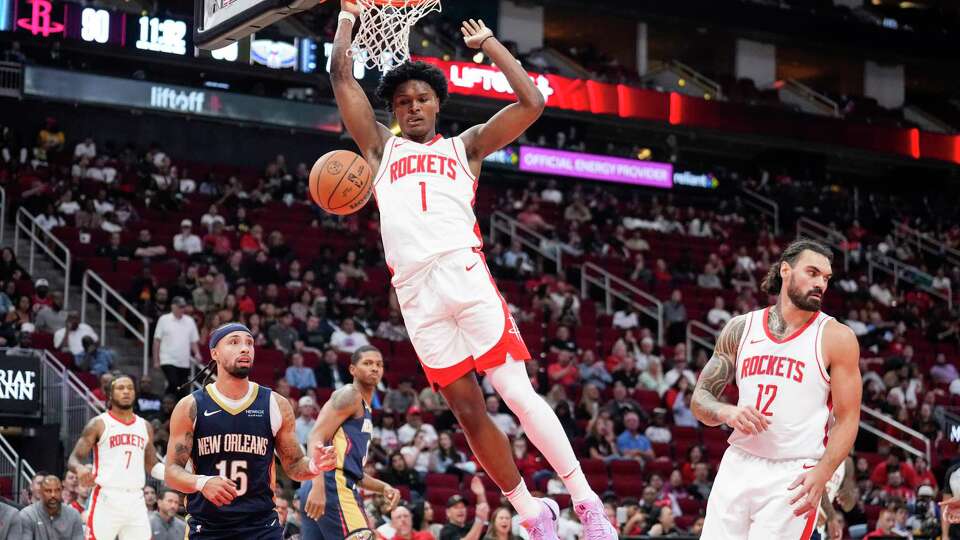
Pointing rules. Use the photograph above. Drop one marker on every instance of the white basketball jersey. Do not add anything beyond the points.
(425, 193)
(786, 381)
(118, 455)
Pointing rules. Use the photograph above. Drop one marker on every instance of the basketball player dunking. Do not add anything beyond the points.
(229, 431)
(458, 322)
(793, 365)
(123, 451)
(331, 503)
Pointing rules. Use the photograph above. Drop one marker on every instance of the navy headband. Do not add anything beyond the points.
(222, 332)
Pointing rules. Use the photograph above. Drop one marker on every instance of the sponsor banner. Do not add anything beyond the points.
(698, 180)
(596, 167)
(21, 385)
(96, 89)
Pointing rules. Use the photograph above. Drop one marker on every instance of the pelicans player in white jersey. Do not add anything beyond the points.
(123, 451)
(793, 365)
(458, 322)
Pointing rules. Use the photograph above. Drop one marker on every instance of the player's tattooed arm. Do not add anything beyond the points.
(89, 437)
(705, 403)
(180, 446)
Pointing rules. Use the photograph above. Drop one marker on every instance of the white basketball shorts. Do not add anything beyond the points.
(457, 320)
(750, 499)
(117, 513)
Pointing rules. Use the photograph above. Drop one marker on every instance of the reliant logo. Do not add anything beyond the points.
(16, 384)
(163, 97)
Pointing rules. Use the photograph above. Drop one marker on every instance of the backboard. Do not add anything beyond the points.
(222, 22)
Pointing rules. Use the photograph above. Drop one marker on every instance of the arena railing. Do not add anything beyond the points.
(808, 99)
(14, 467)
(11, 79)
(94, 288)
(46, 242)
(700, 334)
(616, 288)
(896, 441)
(902, 271)
(3, 213)
(808, 228)
(764, 205)
(529, 238)
(66, 399)
(698, 77)
(921, 241)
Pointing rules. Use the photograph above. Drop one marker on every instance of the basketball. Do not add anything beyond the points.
(340, 182)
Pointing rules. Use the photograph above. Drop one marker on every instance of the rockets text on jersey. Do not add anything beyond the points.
(785, 380)
(425, 194)
(118, 455)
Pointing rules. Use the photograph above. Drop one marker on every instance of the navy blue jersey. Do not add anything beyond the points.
(236, 444)
(350, 442)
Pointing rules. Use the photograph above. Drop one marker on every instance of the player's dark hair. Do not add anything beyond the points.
(409, 71)
(358, 354)
(772, 282)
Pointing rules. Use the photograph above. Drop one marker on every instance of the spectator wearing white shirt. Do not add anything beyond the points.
(68, 206)
(212, 216)
(504, 421)
(658, 432)
(855, 324)
(625, 319)
(186, 241)
(49, 219)
(70, 337)
(745, 261)
(679, 368)
(414, 424)
(307, 415)
(348, 339)
(551, 194)
(175, 338)
(941, 282)
(718, 316)
(101, 204)
(881, 293)
(85, 148)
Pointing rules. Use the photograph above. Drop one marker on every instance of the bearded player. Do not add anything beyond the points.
(425, 186)
(793, 365)
(229, 432)
(123, 451)
(331, 503)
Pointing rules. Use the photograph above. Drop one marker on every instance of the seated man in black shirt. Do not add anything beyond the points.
(114, 250)
(457, 527)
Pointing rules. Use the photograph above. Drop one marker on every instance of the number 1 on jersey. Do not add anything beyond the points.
(423, 195)
(763, 390)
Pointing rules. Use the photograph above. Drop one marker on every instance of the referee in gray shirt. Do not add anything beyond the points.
(48, 518)
(164, 523)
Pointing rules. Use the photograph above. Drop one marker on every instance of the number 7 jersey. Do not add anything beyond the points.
(118, 455)
(786, 381)
(425, 193)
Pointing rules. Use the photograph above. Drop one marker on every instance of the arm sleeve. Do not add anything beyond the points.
(76, 532)
(159, 331)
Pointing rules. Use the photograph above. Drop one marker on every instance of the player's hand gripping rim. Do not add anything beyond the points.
(747, 420)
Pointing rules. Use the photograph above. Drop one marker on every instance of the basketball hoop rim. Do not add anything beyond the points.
(396, 3)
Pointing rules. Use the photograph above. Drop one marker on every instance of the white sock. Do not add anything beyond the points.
(523, 502)
(541, 426)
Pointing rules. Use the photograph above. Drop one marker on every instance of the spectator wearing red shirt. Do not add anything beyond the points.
(924, 476)
(894, 487)
(401, 527)
(564, 371)
(616, 357)
(885, 525)
(216, 241)
(527, 462)
(41, 295)
(907, 473)
(252, 241)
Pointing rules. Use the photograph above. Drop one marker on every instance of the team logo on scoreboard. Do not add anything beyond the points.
(39, 23)
(274, 54)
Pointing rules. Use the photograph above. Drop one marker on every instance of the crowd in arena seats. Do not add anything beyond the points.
(244, 245)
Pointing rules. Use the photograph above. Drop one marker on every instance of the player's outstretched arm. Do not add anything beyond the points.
(354, 106)
(841, 348)
(89, 437)
(511, 121)
(298, 466)
(705, 403)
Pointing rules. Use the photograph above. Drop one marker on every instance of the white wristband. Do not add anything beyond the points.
(158, 471)
(347, 16)
(201, 481)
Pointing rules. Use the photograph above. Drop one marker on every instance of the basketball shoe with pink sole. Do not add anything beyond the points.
(596, 526)
(544, 526)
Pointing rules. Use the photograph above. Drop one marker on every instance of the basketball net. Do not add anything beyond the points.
(383, 40)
